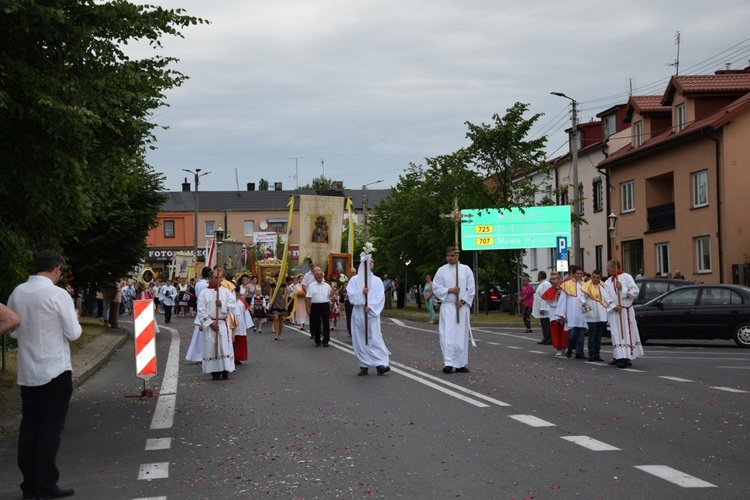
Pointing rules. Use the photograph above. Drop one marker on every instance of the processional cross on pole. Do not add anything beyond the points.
(457, 217)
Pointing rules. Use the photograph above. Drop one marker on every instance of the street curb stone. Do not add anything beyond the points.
(86, 361)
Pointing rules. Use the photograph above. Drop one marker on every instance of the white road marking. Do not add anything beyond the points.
(540, 352)
(727, 389)
(532, 421)
(735, 367)
(422, 376)
(158, 444)
(494, 343)
(676, 379)
(159, 470)
(590, 443)
(450, 384)
(164, 413)
(151, 498)
(513, 347)
(634, 370)
(400, 323)
(674, 476)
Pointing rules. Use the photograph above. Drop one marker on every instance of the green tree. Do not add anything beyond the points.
(492, 172)
(75, 123)
(262, 185)
(318, 183)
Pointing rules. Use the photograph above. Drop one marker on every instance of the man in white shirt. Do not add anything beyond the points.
(168, 295)
(48, 323)
(318, 308)
(307, 280)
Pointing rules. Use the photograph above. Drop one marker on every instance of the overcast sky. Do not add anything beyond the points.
(358, 89)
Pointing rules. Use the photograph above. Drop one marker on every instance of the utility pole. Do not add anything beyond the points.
(576, 243)
(197, 175)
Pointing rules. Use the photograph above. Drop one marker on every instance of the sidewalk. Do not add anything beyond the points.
(85, 363)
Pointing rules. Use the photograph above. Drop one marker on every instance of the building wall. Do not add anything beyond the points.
(735, 203)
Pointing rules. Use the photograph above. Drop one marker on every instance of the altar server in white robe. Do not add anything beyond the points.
(456, 300)
(373, 353)
(218, 358)
(195, 350)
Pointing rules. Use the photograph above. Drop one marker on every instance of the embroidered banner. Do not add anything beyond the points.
(320, 226)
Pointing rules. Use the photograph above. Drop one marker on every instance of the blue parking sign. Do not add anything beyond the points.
(562, 248)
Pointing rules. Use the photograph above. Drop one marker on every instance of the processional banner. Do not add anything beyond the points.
(320, 226)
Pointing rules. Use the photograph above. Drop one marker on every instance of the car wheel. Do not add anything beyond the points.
(742, 334)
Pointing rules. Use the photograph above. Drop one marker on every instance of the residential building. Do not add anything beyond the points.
(679, 179)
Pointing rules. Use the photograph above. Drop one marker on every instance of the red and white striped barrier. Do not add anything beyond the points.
(145, 341)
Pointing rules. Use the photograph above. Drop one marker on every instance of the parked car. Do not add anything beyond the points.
(495, 297)
(698, 312)
(650, 288)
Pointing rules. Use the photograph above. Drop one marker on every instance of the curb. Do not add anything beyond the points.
(87, 361)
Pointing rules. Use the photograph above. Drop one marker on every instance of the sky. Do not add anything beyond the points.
(356, 90)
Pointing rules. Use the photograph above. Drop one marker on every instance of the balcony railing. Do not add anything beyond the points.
(661, 217)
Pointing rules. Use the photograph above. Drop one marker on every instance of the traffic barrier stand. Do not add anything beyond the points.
(145, 343)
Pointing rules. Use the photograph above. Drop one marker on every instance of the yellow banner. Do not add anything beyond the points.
(285, 261)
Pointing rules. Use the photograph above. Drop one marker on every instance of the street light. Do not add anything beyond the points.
(576, 243)
(406, 282)
(612, 218)
(197, 175)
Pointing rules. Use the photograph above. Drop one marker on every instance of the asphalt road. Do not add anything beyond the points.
(296, 422)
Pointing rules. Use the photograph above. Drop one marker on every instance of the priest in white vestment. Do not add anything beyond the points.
(373, 353)
(195, 350)
(218, 358)
(456, 300)
(619, 292)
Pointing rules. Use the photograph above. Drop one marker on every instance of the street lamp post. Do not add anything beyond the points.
(406, 282)
(576, 243)
(197, 175)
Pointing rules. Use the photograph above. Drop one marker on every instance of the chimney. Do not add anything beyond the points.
(251, 186)
(338, 185)
(186, 186)
(277, 186)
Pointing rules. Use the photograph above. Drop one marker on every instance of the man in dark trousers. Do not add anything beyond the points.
(49, 322)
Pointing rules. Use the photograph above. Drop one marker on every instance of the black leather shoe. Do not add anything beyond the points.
(613, 362)
(569, 353)
(580, 356)
(448, 369)
(362, 371)
(382, 370)
(622, 364)
(462, 370)
(60, 493)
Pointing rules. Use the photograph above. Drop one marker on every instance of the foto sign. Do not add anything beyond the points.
(534, 227)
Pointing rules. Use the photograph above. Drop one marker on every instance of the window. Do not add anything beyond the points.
(552, 259)
(610, 125)
(680, 115)
(209, 232)
(700, 189)
(632, 255)
(579, 201)
(627, 196)
(683, 297)
(598, 196)
(564, 197)
(703, 254)
(719, 296)
(662, 258)
(169, 229)
(638, 133)
(278, 227)
(249, 227)
(599, 257)
(533, 259)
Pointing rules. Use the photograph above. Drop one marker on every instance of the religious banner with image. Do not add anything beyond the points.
(320, 226)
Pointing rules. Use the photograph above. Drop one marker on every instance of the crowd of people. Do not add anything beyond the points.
(582, 306)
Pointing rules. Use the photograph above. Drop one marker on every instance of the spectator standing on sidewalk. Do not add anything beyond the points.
(48, 323)
(526, 301)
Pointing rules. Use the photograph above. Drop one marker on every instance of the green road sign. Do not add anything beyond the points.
(534, 227)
